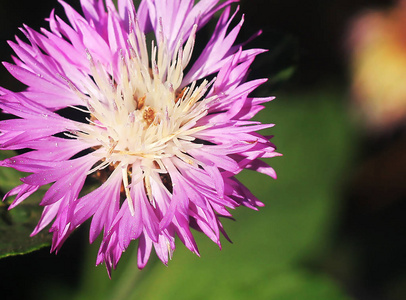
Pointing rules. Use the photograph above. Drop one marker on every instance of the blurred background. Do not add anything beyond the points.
(334, 224)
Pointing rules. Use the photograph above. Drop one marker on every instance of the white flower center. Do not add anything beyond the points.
(142, 114)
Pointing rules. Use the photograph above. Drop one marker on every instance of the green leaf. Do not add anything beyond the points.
(17, 224)
(9, 178)
(299, 284)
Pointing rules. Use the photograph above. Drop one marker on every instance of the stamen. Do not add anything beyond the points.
(124, 171)
(170, 251)
(149, 115)
(113, 145)
(141, 102)
(100, 166)
(80, 109)
(147, 184)
(188, 49)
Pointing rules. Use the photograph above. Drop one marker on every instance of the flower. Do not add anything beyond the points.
(163, 142)
(376, 42)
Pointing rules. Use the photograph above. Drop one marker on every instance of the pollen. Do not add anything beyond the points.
(140, 102)
(149, 115)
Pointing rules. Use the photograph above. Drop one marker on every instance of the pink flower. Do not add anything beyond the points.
(163, 142)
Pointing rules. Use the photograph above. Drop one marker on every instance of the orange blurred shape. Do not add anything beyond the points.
(378, 66)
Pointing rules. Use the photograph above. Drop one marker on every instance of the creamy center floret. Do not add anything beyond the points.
(141, 114)
(142, 111)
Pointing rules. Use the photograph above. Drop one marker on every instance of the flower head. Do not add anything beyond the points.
(376, 42)
(163, 142)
